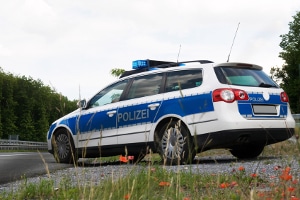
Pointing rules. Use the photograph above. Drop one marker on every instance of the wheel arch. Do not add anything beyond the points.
(62, 127)
(166, 120)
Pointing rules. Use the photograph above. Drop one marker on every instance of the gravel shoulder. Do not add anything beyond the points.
(91, 174)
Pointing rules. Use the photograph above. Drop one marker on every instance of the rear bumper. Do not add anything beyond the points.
(230, 138)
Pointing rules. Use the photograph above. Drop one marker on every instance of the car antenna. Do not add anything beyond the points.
(178, 52)
(233, 41)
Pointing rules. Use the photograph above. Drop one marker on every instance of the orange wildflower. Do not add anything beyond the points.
(254, 175)
(291, 189)
(261, 194)
(241, 168)
(127, 196)
(163, 183)
(295, 198)
(287, 169)
(130, 157)
(286, 176)
(233, 184)
(224, 185)
(123, 159)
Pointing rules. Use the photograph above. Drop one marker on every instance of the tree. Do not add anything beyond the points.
(1, 99)
(8, 107)
(117, 72)
(289, 74)
(28, 107)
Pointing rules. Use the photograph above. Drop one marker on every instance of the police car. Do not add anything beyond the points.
(177, 109)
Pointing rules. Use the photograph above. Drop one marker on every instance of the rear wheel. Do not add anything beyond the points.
(64, 151)
(174, 144)
(247, 151)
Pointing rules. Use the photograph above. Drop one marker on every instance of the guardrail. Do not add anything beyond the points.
(296, 116)
(297, 119)
(22, 145)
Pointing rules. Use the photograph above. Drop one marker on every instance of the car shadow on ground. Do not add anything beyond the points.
(229, 159)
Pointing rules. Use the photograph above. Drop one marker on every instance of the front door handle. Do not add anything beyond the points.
(111, 113)
(153, 106)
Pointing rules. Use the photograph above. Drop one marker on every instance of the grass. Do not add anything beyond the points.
(151, 180)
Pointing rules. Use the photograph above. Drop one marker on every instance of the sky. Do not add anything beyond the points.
(72, 45)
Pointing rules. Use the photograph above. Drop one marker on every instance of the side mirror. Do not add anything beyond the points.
(81, 104)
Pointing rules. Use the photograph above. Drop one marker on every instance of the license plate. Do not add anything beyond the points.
(264, 109)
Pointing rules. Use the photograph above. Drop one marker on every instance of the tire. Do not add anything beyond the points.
(247, 151)
(174, 144)
(63, 146)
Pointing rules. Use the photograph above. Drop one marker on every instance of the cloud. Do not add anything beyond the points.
(76, 43)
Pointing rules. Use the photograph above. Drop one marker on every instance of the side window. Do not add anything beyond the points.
(145, 86)
(184, 79)
(108, 95)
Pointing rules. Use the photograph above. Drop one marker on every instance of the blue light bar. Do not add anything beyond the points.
(139, 64)
(151, 69)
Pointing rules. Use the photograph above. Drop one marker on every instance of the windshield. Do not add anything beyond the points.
(244, 77)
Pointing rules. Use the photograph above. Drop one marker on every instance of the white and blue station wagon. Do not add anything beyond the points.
(177, 109)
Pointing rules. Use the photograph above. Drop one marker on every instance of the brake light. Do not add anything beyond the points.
(229, 95)
(284, 97)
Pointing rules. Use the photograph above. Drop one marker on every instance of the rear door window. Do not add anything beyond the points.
(145, 86)
(183, 79)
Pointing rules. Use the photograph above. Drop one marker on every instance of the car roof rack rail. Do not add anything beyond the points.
(148, 65)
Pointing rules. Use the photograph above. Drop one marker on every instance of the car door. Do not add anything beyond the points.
(97, 123)
(138, 111)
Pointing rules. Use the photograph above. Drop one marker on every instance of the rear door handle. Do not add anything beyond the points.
(153, 106)
(111, 113)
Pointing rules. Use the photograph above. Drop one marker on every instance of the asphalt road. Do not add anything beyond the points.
(18, 165)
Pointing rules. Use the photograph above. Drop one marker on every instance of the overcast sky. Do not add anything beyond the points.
(71, 45)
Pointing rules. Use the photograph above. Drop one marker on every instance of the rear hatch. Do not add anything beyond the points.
(264, 104)
(264, 97)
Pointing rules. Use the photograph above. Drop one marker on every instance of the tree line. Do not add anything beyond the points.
(28, 107)
(289, 74)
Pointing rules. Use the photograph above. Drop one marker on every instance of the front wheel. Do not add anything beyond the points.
(64, 151)
(174, 144)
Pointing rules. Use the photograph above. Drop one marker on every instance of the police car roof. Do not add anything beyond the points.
(239, 65)
(149, 65)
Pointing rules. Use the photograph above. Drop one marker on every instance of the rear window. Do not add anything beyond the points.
(244, 77)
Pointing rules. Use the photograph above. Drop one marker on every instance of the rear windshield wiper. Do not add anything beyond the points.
(265, 85)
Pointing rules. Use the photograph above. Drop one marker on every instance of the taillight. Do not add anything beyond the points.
(229, 95)
(284, 97)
